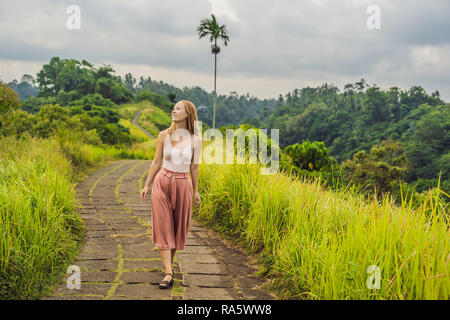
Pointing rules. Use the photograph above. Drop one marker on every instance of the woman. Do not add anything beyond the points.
(172, 191)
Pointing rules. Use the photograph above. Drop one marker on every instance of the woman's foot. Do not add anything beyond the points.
(167, 281)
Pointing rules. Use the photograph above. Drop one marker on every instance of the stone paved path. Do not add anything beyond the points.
(119, 261)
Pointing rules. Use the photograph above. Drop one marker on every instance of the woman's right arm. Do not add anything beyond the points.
(157, 161)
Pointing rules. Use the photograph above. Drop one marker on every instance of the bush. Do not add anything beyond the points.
(311, 156)
(154, 98)
(9, 100)
(90, 100)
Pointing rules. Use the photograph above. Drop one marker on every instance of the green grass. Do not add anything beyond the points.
(134, 131)
(145, 148)
(127, 110)
(318, 244)
(40, 230)
(155, 120)
(152, 118)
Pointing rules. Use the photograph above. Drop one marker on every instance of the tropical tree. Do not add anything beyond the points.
(211, 27)
(9, 102)
(381, 169)
(310, 156)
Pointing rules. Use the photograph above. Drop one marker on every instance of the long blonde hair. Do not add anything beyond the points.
(192, 119)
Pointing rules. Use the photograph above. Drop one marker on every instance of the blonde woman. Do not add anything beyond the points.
(178, 151)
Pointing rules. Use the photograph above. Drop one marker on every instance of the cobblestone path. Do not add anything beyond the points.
(119, 261)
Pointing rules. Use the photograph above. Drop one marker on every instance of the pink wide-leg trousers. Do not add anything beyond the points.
(171, 204)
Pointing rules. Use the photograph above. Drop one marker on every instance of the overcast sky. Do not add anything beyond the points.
(275, 46)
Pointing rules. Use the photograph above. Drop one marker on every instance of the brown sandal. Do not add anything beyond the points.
(166, 284)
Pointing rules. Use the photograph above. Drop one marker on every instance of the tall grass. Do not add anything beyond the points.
(318, 243)
(39, 227)
(85, 157)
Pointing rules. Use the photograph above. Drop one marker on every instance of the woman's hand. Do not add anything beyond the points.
(144, 193)
(197, 198)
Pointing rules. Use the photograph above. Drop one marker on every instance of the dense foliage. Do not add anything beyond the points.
(232, 109)
(338, 125)
(98, 125)
(357, 120)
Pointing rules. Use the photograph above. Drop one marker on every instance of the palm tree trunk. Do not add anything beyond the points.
(214, 98)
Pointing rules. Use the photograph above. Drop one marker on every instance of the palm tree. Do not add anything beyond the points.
(210, 27)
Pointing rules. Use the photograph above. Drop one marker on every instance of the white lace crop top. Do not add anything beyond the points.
(177, 158)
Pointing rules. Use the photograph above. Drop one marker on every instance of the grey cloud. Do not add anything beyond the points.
(418, 22)
(291, 39)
